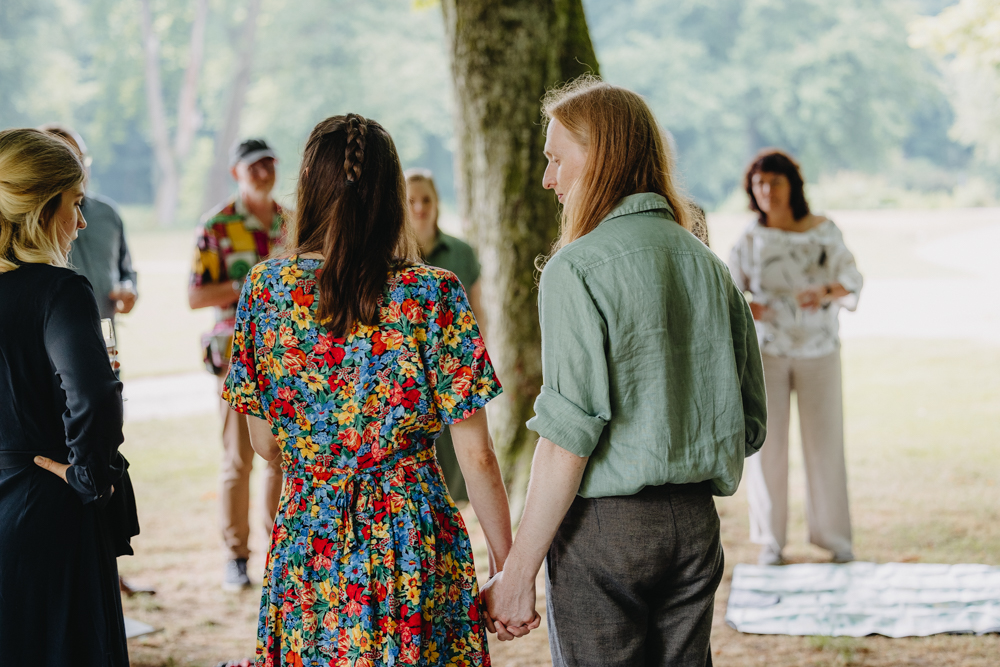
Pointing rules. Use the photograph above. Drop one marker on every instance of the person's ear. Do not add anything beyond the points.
(232, 170)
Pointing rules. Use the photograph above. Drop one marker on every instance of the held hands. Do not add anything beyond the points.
(510, 607)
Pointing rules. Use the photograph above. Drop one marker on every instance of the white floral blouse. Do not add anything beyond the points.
(774, 265)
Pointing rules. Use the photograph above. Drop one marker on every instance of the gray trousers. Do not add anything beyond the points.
(631, 580)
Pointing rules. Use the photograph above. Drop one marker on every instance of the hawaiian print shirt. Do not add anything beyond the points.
(229, 242)
(370, 563)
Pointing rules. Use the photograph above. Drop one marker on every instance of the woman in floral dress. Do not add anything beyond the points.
(349, 359)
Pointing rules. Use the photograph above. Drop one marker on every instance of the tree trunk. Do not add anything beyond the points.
(218, 176)
(167, 182)
(188, 118)
(504, 57)
(169, 157)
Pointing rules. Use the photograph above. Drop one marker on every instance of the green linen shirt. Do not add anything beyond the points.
(649, 357)
(457, 256)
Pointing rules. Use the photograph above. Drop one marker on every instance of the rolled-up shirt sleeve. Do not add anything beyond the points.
(574, 405)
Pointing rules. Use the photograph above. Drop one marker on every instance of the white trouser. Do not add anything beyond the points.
(817, 384)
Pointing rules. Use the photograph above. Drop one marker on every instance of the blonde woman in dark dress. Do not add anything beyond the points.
(60, 424)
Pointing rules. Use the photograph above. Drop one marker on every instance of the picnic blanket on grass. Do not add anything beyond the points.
(858, 599)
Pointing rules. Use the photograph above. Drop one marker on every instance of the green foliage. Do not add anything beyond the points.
(835, 83)
(385, 60)
(967, 38)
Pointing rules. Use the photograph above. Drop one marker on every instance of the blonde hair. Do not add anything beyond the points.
(627, 153)
(418, 175)
(35, 169)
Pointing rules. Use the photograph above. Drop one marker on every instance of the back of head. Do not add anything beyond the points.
(352, 208)
(627, 152)
(35, 169)
(777, 161)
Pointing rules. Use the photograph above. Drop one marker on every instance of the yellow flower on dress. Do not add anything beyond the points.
(290, 274)
(301, 316)
(450, 337)
(313, 380)
(307, 447)
(446, 401)
(348, 413)
(466, 321)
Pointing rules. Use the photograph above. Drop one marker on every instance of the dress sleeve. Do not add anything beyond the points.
(460, 372)
(846, 273)
(241, 389)
(574, 405)
(93, 417)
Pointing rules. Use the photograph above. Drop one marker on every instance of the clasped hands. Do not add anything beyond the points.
(510, 606)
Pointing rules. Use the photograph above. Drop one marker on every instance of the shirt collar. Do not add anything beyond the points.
(249, 219)
(642, 202)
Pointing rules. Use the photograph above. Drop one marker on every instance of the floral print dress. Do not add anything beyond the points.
(370, 563)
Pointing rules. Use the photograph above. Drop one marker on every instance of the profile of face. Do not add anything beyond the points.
(258, 177)
(566, 157)
(68, 218)
(772, 191)
(423, 204)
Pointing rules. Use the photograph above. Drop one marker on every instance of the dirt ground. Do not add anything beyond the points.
(923, 450)
(923, 454)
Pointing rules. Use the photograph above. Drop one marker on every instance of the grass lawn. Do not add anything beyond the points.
(923, 447)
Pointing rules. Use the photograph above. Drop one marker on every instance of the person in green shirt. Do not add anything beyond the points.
(445, 252)
(652, 396)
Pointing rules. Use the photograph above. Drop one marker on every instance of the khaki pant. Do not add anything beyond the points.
(817, 384)
(234, 478)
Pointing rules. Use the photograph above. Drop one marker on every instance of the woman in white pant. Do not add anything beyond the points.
(800, 274)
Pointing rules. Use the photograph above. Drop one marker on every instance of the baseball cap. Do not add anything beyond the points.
(249, 151)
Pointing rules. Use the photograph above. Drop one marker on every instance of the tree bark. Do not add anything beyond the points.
(167, 182)
(170, 156)
(188, 118)
(218, 176)
(504, 57)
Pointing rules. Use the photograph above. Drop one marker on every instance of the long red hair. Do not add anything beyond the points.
(627, 153)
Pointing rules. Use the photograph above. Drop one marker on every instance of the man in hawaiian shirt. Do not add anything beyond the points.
(231, 239)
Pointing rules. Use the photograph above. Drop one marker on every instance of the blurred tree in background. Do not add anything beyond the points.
(967, 36)
(835, 82)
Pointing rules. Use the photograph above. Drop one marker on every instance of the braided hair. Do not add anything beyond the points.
(352, 209)
(354, 152)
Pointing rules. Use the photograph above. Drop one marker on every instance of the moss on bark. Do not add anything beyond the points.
(504, 56)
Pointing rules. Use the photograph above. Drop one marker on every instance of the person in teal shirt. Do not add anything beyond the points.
(652, 396)
(445, 252)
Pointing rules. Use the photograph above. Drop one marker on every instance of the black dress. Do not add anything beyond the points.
(59, 598)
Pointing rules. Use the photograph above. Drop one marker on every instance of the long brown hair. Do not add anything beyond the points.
(35, 169)
(352, 208)
(777, 161)
(626, 153)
